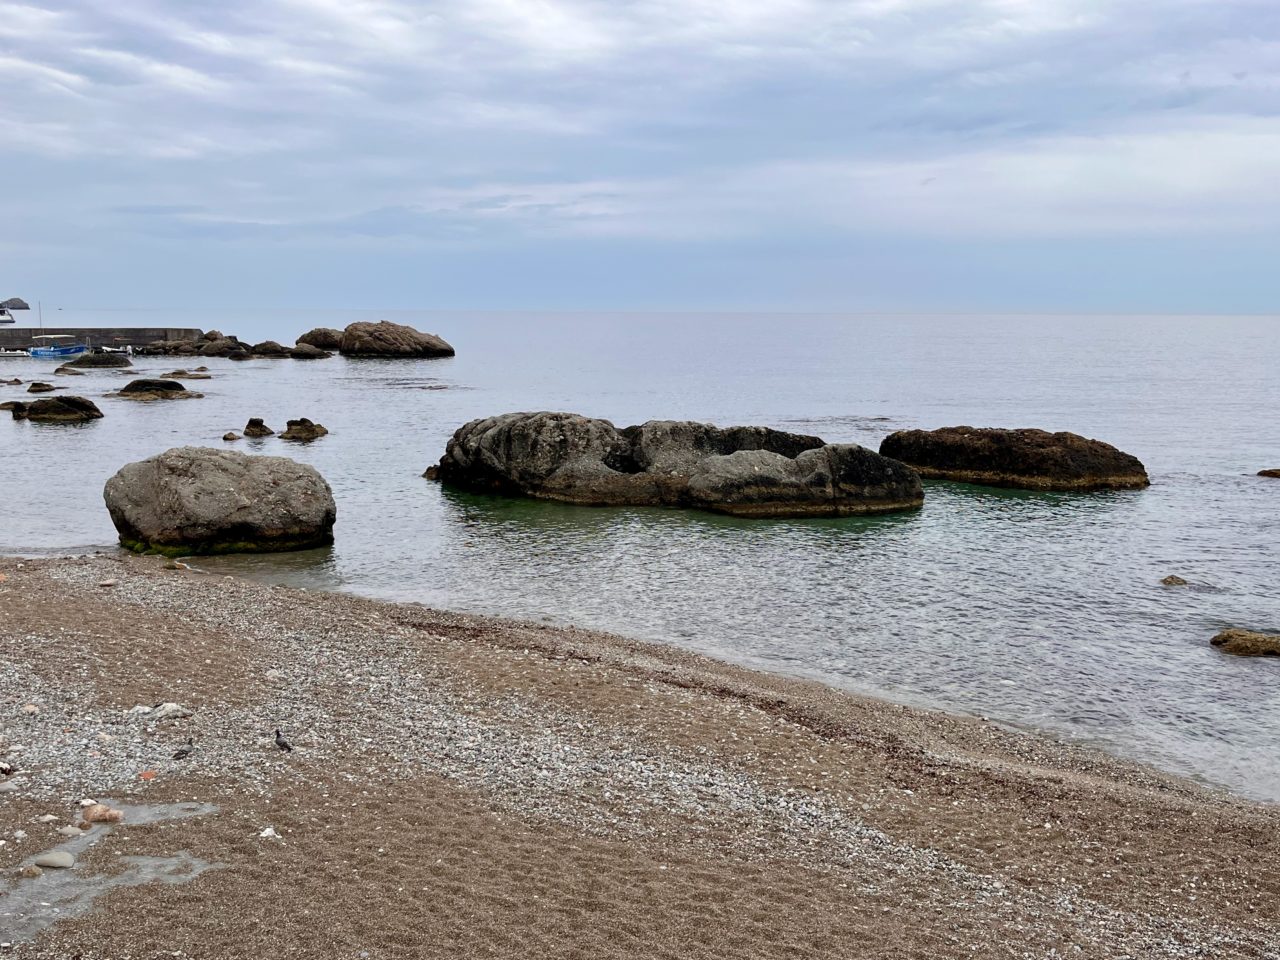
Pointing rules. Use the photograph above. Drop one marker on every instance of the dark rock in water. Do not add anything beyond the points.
(38, 387)
(198, 500)
(156, 390)
(170, 348)
(186, 375)
(231, 437)
(305, 351)
(101, 360)
(1247, 643)
(239, 354)
(1173, 580)
(386, 339)
(57, 410)
(744, 471)
(222, 347)
(270, 349)
(324, 338)
(11, 405)
(1028, 459)
(1270, 473)
(67, 371)
(303, 430)
(256, 428)
(15, 382)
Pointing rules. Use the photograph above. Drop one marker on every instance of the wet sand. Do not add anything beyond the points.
(470, 787)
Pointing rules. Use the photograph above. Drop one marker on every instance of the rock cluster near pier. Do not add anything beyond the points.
(386, 339)
(744, 471)
(198, 500)
(382, 339)
(1027, 459)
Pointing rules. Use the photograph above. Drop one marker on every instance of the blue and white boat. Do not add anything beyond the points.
(53, 349)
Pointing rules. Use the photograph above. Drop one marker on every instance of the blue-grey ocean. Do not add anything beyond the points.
(1040, 610)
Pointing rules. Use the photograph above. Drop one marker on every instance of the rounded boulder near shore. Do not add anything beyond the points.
(742, 471)
(196, 500)
(1027, 459)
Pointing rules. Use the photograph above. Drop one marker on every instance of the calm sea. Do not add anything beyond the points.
(1038, 610)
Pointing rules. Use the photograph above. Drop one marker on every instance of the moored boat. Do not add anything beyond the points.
(54, 347)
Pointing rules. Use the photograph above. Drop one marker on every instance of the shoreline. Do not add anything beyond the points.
(665, 802)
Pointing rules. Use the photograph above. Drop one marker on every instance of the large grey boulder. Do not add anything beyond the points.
(325, 338)
(745, 471)
(386, 339)
(197, 500)
(1028, 459)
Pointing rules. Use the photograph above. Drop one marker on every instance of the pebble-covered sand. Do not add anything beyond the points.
(469, 787)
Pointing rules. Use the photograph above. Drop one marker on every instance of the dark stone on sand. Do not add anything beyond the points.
(744, 471)
(101, 360)
(303, 430)
(57, 410)
(324, 338)
(199, 500)
(256, 428)
(1028, 459)
(386, 339)
(1247, 643)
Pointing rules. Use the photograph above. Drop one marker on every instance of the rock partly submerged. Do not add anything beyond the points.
(386, 339)
(57, 410)
(743, 471)
(1247, 643)
(101, 360)
(307, 351)
(255, 428)
(303, 430)
(1027, 459)
(1274, 473)
(199, 500)
(149, 389)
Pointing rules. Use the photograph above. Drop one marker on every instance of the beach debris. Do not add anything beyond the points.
(101, 813)
(70, 831)
(48, 818)
(282, 743)
(31, 871)
(55, 860)
(161, 711)
(183, 752)
(269, 833)
(30, 708)
(1173, 580)
(147, 775)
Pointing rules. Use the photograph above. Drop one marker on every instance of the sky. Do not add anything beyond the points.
(869, 155)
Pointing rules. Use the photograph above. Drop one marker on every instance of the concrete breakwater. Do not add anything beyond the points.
(21, 337)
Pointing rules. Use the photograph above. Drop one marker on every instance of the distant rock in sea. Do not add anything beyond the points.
(323, 338)
(386, 339)
(270, 349)
(101, 360)
(199, 500)
(303, 431)
(743, 471)
(1028, 459)
(256, 428)
(307, 351)
(37, 386)
(156, 390)
(1270, 473)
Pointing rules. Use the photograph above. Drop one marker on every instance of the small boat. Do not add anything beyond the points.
(13, 353)
(53, 349)
(6, 316)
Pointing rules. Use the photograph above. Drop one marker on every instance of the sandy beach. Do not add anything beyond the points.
(472, 787)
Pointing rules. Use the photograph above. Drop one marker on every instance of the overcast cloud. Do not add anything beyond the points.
(885, 154)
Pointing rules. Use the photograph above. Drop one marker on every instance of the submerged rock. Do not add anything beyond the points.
(1270, 473)
(386, 339)
(199, 500)
(1247, 643)
(101, 360)
(744, 471)
(256, 428)
(323, 338)
(231, 436)
(303, 430)
(67, 371)
(1028, 459)
(39, 387)
(1173, 580)
(156, 390)
(58, 410)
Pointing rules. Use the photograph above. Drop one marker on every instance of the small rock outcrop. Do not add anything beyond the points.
(1247, 643)
(270, 349)
(386, 339)
(39, 387)
(186, 375)
(323, 338)
(231, 436)
(199, 500)
(303, 431)
(744, 471)
(1173, 580)
(57, 410)
(101, 360)
(305, 351)
(66, 371)
(256, 428)
(1026, 459)
(1270, 473)
(221, 347)
(148, 389)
